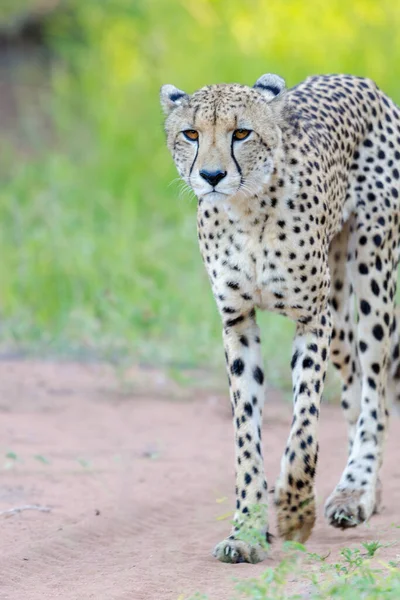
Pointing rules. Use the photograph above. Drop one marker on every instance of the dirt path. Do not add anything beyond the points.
(133, 480)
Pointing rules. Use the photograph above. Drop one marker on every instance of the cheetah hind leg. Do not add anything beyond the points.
(394, 367)
(393, 385)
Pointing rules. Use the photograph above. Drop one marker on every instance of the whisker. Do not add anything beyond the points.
(174, 180)
(183, 188)
(247, 189)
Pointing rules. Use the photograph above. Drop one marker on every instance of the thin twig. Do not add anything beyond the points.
(13, 511)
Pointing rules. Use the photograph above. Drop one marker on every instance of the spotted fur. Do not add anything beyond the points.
(303, 222)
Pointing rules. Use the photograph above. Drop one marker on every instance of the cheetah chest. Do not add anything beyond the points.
(261, 269)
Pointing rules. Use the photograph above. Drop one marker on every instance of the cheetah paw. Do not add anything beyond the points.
(238, 551)
(350, 507)
(296, 521)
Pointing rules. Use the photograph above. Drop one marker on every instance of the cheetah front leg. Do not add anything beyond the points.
(294, 490)
(247, 392)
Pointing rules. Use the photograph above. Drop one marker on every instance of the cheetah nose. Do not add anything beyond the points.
(213, 177)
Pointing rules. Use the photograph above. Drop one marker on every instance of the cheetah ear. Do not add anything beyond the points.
(270, 85)
(171, 97)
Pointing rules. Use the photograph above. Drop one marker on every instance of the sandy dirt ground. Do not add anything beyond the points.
(138, 477)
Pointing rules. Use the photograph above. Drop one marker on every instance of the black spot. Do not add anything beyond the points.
(365, 307)
(377, 240)
(237, 367)
(308, 363)
(235, 321)
(375, 287)
(258, 375)
(378, 332)
(248, 409)
(303, 388)
(243, 340)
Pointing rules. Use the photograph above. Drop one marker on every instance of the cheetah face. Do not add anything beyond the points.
(224, 138)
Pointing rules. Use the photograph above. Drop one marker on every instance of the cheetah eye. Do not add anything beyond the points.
(191, 134)
(241, 134)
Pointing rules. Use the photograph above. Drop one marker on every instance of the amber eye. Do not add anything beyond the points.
(191, 134)
(241, 134)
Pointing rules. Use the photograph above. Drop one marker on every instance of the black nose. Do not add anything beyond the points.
(213, 177)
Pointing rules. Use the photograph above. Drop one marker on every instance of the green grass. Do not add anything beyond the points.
(353, 576)
(98, 249)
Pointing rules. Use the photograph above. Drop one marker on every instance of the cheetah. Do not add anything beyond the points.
(298, 213)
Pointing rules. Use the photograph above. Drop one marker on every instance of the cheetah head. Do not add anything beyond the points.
(224, 138)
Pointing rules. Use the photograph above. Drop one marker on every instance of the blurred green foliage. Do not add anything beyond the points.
(98, 248)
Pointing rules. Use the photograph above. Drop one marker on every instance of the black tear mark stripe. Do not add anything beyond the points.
(195, 158)
(236, 162)
(197, 144)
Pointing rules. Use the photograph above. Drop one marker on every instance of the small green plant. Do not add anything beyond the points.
(302, 574)
(12, 455)
(12, 460)
(42, 459)
(372, 547)
(352, 559)
(272, 583)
